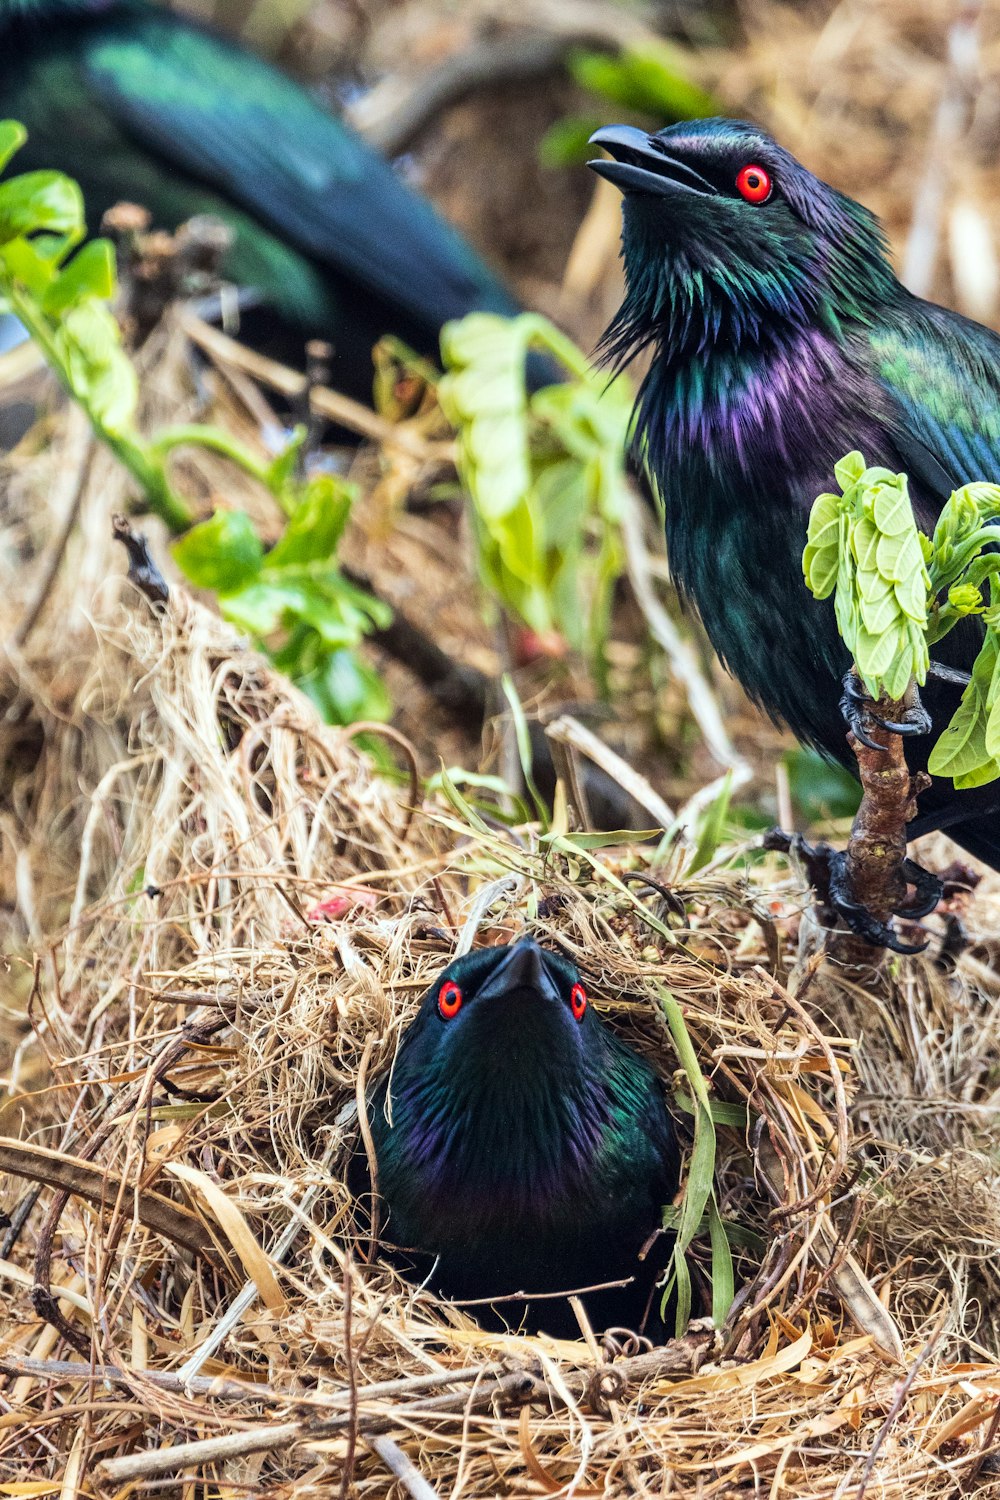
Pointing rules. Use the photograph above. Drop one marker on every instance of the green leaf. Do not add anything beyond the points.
(100, 373)
(12, 137)
(523, 737)
(710, 828)
(281, 472)
(849, 470)
(223, 553)
(961, 751)
(566, 143)
(315, 526)
(91, 273)
(652, 79)
(892, 512)
(38, 201)
(698, 1191)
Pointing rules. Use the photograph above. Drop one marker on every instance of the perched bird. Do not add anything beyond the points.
(522, 1145)
(781, 340)
(137, 103)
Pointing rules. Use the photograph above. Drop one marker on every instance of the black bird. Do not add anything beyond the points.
(522, 1145)
(781, 340)
(137, 103)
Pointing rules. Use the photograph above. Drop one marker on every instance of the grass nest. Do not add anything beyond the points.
(232, 919)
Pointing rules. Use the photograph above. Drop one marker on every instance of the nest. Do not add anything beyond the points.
(233, 919)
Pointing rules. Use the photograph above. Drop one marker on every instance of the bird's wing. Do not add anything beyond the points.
(219, 113)
(941, 374)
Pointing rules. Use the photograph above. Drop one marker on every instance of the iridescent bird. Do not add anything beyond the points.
(138, 103)
(522, 1145)
(781, 340)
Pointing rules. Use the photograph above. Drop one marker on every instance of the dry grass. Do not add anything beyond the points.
(172, 812)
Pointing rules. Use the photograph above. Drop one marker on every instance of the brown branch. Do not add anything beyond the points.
(71, 1174)
(878, 839)
(518, 1386)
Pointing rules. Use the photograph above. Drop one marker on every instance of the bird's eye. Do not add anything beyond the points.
(578, 1001)
(449, 1000)
(754, 184)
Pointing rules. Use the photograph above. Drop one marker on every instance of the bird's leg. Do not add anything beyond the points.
(860, 714)
(941, 673)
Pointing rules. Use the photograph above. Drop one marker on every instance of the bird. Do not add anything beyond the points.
(522, 1147)
(137, 103)
(780, 339)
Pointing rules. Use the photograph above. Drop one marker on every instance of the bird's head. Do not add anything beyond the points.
(506, 1085)
(727, 238)
(498, 1011)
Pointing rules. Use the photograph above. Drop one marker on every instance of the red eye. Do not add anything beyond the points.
(754, 184)
(449, 1000)
(578, 1001)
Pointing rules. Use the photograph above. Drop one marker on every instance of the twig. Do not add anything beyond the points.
(142, 570)
(57, 551)
(325, 402)
(234, 1390)
(569, 731)
(877, 846)
(246, 1298)
(679, 651)
(677, 1358)
(72, 1174)
(352, 1381)
(394, 114)
(902, 1391)
(397, 1462)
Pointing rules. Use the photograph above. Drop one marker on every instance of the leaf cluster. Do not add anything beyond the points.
(545, 473)
(41, 225)
(897, 592)
(293, 598)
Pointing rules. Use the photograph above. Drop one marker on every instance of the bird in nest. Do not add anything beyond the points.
(522, 1149)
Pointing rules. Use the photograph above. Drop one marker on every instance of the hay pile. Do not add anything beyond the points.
(233, 919)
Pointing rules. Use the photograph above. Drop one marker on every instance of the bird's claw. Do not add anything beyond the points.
(857, 708)
(862, 922)
(928, 890)
(826, 869)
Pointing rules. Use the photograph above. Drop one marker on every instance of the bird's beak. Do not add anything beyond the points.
(521, 968)
(641, 164)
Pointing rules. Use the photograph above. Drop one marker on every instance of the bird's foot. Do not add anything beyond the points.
(826, 869)
(859, 712)
(864, 923)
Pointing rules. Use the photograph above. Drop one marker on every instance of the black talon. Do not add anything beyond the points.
(857, 709)
(929, 890)
(826, 869)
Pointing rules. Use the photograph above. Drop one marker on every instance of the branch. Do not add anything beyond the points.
(98, 1186)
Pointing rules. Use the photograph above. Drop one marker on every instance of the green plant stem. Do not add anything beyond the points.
(540, 331)
(943, 577)
(192, 435)
(151, 477)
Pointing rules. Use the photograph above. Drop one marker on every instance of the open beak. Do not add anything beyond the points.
(641, 164)
(521, 968)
